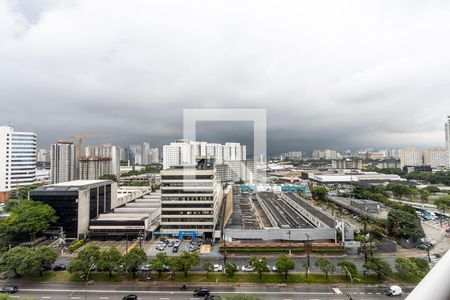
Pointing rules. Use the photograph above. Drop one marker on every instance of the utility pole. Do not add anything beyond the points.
(307, 252)
(290, 243)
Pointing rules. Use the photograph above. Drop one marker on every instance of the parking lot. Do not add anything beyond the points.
(152, 251)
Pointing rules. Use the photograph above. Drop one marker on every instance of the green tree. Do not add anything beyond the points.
(29, 217)
(187, 260)
(424, 195)
(230, 269)
(159, 262)
(422, 264)
(208, 267)
(284, 264)
(260, 265)
(378, 266)
(20, 260)
(46, 256)
(110, 260)
(442, 207)
(349, 266)
(85, 261)
(404, 225)
(108, 177)
(319, 193)
(172, 262)
(133, 259)
(325, 266)
(407, 269)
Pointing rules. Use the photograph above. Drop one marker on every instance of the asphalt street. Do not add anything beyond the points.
(111, 292)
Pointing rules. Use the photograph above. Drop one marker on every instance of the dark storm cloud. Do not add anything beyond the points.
(330, 74)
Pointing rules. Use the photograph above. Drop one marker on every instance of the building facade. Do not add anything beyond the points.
(17, 160)
(92, 168)
(106, 151)
(190, 200)
(447, 140)
(435, 157)
(186, 152)
(64, 165)
(410, 157)
(77, 202)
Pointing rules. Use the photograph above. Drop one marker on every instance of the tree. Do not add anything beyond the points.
(85, 261)
(108, 177)
(109, 260)
(404, 225)
(133, 259)
(319, 193)
(325, 266)
(442, 207)
(172, 263)
(46, 256)
(208, 267)
(158, 263)
(424, 195)
(187, 260)
(378, 266)
(20, 260)
(284, 264)
(259, 264)
(349, 266)
(230, 269)
(29, 217)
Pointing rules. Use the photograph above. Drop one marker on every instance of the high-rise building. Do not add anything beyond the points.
(435, 157)
(136, 154)
(64, 165)
(190, 200)
(105, 151)
(410, 157)
(17, 160)
(447, 140)
(185, 153)
(92, 168)
(43, 156)
(124, 154)
(326, 154)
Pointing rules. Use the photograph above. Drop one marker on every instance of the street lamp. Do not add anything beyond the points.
(307, 250)
(349, 295)
(290, 242)
(86, 277)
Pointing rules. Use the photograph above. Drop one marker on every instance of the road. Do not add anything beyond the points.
(112, 292)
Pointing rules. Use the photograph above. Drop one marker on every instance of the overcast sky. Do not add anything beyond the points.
(335, 74)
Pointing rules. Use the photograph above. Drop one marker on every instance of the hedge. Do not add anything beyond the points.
(75, 245)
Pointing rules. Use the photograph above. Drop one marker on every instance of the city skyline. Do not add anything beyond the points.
(349, 82)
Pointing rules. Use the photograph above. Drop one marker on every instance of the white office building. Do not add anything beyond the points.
(435, 157)
(64, 165)
(43, 156)
(17, 159)
(185, 153)
(410, 157)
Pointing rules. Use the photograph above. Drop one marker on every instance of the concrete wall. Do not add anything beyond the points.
(269, 215)
(281, 234)
(83, 212)
(228, 205)
(117, 201)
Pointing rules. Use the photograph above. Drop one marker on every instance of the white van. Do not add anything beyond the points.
(394, 290)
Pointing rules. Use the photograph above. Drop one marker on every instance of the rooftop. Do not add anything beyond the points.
(75, 185)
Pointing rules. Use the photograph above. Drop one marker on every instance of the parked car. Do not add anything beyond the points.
(274, 269)
(175, 249)
(145, 268)
(59, 267)
(247, 268)
(177, 243)
(47, 267)
(10, 289)
(170, 244)
(394, 290)
(130, 297)
(218, 268)
(201, 292)
(166, 268)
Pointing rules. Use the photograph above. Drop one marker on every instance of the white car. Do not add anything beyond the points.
(218, 268)
(394, 290)
(247, 268)
(274, 268)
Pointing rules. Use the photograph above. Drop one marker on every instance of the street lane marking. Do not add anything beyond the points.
(104, 298)
(337, 291)
(46, 297)
(164, 298)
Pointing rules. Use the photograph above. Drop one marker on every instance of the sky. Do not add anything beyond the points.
(331, 74)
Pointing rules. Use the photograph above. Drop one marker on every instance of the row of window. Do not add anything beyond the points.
(187, 220)
(174, 198)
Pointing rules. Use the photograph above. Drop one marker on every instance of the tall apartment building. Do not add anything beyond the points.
(190, 200)
(447, 140)
(17, 160)
(435, 157)
(410, 157)
(64, 165)
(106, 151)
(185, 152)
(236, 170)
(43, 156)
(292, 154)
(92, 168)
(326, 154)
